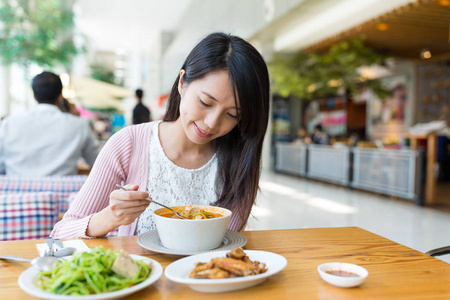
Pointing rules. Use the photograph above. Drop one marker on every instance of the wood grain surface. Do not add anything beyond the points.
(395, 271)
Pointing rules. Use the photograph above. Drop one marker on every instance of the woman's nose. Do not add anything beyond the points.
(212, 120)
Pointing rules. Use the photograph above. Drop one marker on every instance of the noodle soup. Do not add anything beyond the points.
(193, 234)
(192, 212)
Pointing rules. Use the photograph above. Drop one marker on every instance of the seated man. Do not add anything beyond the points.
(319, 136)
(45, 141)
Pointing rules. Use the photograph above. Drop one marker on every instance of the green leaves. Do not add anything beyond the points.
(37, 31)
(314, 75)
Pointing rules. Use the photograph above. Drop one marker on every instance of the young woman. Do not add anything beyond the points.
(207, 150)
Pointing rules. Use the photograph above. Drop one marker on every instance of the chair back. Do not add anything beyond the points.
(61, 186)
(27, 215)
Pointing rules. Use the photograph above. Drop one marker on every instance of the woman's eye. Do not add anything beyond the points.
(233, 116)
(203, 103)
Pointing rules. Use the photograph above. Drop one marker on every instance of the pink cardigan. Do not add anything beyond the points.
(124, 159)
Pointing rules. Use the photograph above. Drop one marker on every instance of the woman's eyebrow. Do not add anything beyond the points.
(210, 96)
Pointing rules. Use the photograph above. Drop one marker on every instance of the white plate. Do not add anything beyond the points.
(28, 278)
(179, 270)
(150, 241)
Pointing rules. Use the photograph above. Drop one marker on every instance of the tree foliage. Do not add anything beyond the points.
(314, 75)
(37, 31)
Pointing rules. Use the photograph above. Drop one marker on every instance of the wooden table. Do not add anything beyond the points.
(395, 271)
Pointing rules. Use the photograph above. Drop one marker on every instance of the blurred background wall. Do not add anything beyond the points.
(143, 44)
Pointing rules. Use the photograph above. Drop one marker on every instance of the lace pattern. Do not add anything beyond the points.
(172, 185)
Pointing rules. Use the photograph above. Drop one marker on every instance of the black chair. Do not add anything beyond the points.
(439, 251)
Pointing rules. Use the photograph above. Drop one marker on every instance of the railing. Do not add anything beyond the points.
(291, 158)
(390, 172)
(329, 163)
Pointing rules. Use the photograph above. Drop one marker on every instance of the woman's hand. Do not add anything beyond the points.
(124, 207)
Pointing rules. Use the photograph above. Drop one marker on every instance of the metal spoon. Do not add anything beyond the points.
(59, 243)
(42, 263)
(151, 200)
(65, 252)
(49, 242)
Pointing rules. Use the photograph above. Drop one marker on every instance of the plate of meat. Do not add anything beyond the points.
(223, 271)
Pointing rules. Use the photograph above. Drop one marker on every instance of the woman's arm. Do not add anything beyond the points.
(110, 168)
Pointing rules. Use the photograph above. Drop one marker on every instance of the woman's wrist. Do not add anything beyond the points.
(101, 223)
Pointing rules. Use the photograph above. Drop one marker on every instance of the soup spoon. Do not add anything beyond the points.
(42, 263)
(151, 200)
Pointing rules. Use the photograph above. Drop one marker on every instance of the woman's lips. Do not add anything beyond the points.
(201, 133)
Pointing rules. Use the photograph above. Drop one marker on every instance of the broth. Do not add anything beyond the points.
(341, 273)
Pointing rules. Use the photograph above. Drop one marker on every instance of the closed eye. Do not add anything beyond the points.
(204, 104)
(209, 105)
(233, 116)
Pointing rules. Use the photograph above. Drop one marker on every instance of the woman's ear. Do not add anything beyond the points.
(181, 83)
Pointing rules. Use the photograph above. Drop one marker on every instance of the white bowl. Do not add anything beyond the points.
(342, 281)
(192, 235)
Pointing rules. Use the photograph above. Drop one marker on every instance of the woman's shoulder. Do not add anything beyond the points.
(138, 129)
(132, 134)
(129, 139)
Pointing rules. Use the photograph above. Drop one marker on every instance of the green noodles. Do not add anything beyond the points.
(89, 273)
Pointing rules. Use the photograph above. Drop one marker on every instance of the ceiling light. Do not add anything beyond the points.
(444, 2)
(425, 54)
(383, 26)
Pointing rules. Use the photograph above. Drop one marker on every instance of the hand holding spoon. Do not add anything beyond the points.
(151, 200)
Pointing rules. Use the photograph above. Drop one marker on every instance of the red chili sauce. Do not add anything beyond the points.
(341, 273)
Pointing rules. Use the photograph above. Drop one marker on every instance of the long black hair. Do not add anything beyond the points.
(239, 151)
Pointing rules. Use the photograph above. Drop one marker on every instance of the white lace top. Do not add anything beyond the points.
(172, 185)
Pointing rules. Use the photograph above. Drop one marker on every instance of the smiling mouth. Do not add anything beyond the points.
(201, 133)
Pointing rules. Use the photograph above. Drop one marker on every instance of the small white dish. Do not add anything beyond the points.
(179, 270)
(28, 278)
(150, 240)
(358, 272)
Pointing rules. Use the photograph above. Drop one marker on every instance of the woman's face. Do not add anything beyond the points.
(207, 108)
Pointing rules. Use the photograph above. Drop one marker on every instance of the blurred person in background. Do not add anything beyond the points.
(141, 113)
(319, 136)
(302, 136)
(206, 151)
(45, 141)
(68, 107)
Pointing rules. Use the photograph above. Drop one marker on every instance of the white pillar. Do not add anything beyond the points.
(135, 73)
(266, 50)
(4, 90)
(154, 82)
